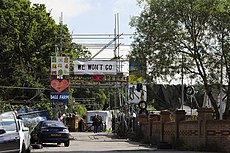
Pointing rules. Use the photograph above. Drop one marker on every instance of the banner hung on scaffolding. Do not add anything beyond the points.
(95, 67)
(59, 79)
(137, 89)
(137, 96)
(135, 72)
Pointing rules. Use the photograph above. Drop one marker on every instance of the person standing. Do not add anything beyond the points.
(100, 124)
(96, 122)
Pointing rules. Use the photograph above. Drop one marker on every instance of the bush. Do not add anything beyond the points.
(135, 136)
(81, 110)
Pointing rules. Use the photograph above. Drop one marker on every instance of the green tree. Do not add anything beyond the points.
(81, 110)
(28, 37)
(183, 33)
(221, 28)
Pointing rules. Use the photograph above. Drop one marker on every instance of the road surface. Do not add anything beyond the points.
(88, 142)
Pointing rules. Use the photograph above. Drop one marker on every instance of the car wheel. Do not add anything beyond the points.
(58, 143)
(37, 146)
(28, 150)
(66, 143)
(23, 148)
(39, 142)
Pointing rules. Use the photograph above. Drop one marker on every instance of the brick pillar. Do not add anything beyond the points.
(179, 116)
(143, 118)
(143, 124)
(153, 118)
(164, 117)
(204, 114)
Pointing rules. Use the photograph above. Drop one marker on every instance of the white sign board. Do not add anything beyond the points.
(95, 67)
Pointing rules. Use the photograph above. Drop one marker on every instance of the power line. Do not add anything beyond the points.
(103, 34)
(28, 88)
(94, 38)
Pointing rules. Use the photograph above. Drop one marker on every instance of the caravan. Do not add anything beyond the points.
(106, 118)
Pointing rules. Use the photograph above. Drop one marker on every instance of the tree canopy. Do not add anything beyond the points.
(188, 34)
(29, 36)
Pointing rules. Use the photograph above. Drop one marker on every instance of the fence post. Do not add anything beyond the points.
(179, 116)
(164, 117)
(204, 114)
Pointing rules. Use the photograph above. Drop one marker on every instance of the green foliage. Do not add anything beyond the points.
(136, 136)
(45, 105)
(28, 37)
(192, 34)
(101, 101)
(5, 108)
(81, 110)
(151, 108)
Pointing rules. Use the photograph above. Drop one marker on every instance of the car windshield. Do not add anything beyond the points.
(7, 122)
(53, 124)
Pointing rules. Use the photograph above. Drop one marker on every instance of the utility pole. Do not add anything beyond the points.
(115, 57)
(61, 32)
(182, 82)
(221, 85)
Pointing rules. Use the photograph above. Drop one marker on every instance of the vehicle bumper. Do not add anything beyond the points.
(48, 138)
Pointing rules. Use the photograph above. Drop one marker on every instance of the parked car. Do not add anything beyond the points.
(14, 136)
(50, 131)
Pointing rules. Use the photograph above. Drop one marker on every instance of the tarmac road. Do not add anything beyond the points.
(88, 142)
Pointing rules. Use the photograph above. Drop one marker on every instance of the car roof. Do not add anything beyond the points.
(50, 121)
(8, 113)
(54, 123)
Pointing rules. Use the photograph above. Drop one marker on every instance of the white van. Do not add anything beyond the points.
(106, 118)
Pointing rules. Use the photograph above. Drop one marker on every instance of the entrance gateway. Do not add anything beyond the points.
(86, 74)
(95, 74)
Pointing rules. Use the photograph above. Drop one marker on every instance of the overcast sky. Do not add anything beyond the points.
(93, 16)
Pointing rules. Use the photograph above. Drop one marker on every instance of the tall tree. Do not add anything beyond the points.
(175, 34)
(28, 37)
(221, 29)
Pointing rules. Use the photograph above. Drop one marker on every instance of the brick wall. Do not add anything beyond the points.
(205, 131)
(218, 132)
(169, 134)
(189, 132)
(155, 131)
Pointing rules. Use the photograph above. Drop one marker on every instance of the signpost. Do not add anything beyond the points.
(59, 79)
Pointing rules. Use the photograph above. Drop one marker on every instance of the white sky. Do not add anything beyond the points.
(93, 16)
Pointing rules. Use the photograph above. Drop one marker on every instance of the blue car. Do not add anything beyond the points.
(50, 131)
